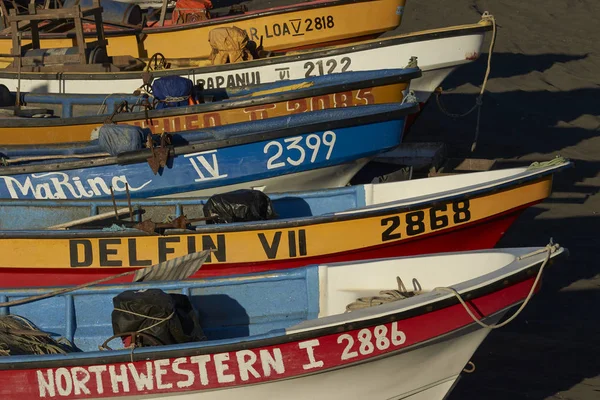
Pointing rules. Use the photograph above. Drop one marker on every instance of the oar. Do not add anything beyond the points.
(176, 269)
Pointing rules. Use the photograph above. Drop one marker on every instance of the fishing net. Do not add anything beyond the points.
(18, 336)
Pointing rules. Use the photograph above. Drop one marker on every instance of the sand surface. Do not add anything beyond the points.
(543, 100)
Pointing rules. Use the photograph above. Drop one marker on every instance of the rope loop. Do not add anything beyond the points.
(549, 249)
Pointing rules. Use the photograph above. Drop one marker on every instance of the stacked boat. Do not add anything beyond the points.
(176, 219)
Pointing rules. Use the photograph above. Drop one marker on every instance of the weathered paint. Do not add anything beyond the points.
(440, 224)
(285, 29)
(196, 118)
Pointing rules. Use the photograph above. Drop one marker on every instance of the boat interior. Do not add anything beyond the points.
(258, 306)
(45, 214)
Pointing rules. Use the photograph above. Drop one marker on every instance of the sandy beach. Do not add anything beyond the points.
(542, 101)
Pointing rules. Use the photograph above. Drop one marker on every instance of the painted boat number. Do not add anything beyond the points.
(295, 144)
(368, 341)
(293, 27)
(415, 222)
(197, 372)
(326, 67)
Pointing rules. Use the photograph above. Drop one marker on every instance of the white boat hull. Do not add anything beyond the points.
(437, 58)
(316, 179)
(425, 373)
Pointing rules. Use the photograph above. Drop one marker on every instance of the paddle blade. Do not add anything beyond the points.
(173, 270)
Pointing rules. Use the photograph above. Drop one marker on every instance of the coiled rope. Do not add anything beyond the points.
(385, 296)
(479, 100)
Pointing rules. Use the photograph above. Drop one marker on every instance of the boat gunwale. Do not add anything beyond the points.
(303, 221)
(518, 275)
(296, 7)
(406, 76)
(407, 38)
(140, 156)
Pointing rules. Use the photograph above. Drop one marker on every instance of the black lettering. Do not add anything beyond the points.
(461, 211)
(292, 243)
(133, 261)
(210, 83)
(255, 78)
(414, 223)
(220, 252)
(104, 252)
(267, 32)
(231, 81)
(438, 221)
(191, 242)
(277, 30)
(308, 23)
(286, 29)
(270, 249)
(302, 242)
(219, 81)
(74, 253)
(201, 83)
(394, 223)
(254, 33)
(163, 250)
(346, 61)
(240, 79)
(309, 67)
(296, 26)
(331, 64)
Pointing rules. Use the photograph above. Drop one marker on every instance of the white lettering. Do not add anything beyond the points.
(59, 183)
(46, 386)
(27, 187)
(98, 370)
(190, 375)
(309, 346)
(212, 170)
(158, 366)
(95, 182)
(121, 378)
(222, 376)
(80, 377)
(201, 361)
(274, 362)
(142, 381)
(83, 192)
(61, 186)
(62, 374)
(245, 359)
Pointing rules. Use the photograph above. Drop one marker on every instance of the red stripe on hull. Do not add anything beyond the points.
(481, 235)
(326, 353)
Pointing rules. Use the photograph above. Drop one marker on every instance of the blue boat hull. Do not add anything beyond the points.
(312, 160)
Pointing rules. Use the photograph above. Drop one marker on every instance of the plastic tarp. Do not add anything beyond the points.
(229, 45)
(167, 317)
(116, 139)
(239, 206)
(189, 11)
(172, 91)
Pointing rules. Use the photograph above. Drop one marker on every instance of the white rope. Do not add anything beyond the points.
(479, 100)
(549, 249)
(160, 320)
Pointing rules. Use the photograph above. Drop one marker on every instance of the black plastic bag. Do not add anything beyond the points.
(239, 206)
(180, 325)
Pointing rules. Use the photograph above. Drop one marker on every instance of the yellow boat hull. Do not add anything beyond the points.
(280, 29)
(190, 118)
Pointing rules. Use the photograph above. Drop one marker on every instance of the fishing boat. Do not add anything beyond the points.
(300, 25)
(322, 331)
(439, 52)
(81, 114)
(447, 213)
(303, 151)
